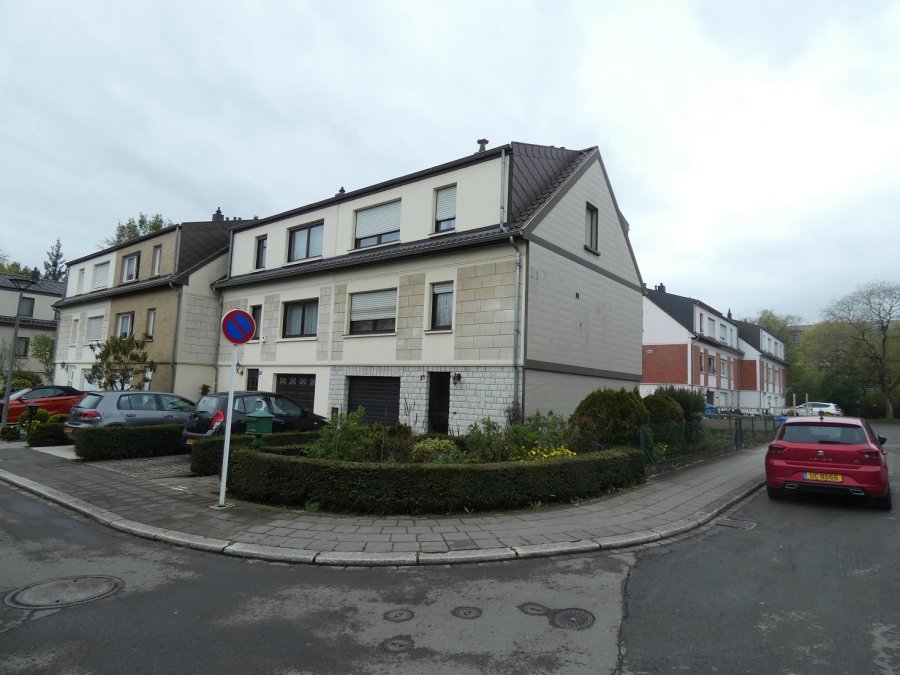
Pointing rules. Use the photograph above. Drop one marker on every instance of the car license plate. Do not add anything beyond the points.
(190, 441)
(68, 430)
(827, 477)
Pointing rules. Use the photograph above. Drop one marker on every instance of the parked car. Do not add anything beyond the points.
(208, 417)
(55, 399)
(815, 409)
(128, 409)
(830, 455)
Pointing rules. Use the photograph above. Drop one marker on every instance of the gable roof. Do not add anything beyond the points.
(41, 287)
(681, 308)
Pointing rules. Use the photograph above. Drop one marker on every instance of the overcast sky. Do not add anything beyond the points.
(753, 145)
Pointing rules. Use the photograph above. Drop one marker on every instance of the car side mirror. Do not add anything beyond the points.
(882, 440)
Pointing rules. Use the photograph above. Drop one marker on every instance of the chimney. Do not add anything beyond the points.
(729, 313)
(35, 275)
(217, 216)
(339, 192)
(661, 288)
(482, 144)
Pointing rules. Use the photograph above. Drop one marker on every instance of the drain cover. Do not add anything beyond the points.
(573, 619)
(396, 645)
(533, 609)
(467, 613)
(398, 615)
(63, 592)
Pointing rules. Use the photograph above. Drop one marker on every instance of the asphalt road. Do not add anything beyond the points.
(172, 610)
(802, 585)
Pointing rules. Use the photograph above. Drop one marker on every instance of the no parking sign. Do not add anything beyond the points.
(238, 326)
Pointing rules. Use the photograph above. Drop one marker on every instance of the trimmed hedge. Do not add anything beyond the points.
(47, 434)
(128, 442)
(206, 454)
(427, 488)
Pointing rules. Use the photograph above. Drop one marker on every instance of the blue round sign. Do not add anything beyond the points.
(238, 326)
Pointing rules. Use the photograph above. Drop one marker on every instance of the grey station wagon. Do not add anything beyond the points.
(127, 408)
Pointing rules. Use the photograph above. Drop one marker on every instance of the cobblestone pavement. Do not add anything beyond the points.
(157, 498)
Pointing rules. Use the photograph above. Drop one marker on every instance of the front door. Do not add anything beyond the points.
(439, 402)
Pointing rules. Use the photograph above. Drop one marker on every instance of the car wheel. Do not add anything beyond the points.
(884, 503)
(773, 492)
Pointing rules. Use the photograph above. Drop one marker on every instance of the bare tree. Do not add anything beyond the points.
(867, 324)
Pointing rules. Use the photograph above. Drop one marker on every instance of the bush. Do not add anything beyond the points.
(486, 442)
(428, 449)
(58, 419)
(541, 431)
(10, 432)
(206, 453)
(47, 434)
(128, 442)
(692, 403)
(607, 418)
(663, 409)
(419, 488)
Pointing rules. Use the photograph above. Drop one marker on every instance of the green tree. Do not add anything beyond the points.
(54, 266)
(42, 349)
(866, 338)
(119, 363)
(133, 229)
(9, 267)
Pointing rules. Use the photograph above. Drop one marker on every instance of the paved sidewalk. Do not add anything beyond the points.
(157, 498)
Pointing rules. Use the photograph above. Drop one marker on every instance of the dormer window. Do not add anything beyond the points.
(305, 242)
(377, 225)
(445, 209)
(131, 267)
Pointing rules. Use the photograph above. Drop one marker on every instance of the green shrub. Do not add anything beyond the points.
(427, 449)
(348, 438)
(128, 442)
(608, 418)
(692, 403)
(423, 488)
(486, 442)
(663, 409)
(58, 419)
(206, 453)
(540, 431)
(10, 432)
(48, 433)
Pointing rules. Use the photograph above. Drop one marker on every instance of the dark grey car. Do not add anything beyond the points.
(127, 408)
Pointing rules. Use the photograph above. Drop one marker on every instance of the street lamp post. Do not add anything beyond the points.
(23, 284)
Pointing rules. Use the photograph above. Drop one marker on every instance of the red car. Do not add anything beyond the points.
(54, 398)
(836, 455)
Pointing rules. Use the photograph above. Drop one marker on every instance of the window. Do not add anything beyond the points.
(80, 287)
(261, 252)
(445, 209)
(73, 338)
(300, 319)
(712, 327)
(101, 275)
(22, 347)
(378, 225)
(712, 365)
(124, 324)
(131, 267)
(252, 379)
(591, 224)
(256, 313)
(373, 312)
(157, 259)
(701, 323)
(305, 242)
(723, 332)
(26, 307)
(442, 306)
(95, 328)
(151, 323)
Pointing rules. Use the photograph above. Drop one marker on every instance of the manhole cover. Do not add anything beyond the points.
(467, 613)
(533, 609)
(398, 615)
(63, 592)
(573, 619)
(396, 645)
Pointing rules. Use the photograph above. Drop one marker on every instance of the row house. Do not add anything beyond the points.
(497, 283)
(733, 364)
(158, 287)
(36, 317)
(763, 374)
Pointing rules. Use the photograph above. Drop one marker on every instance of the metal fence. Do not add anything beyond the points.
(671, 440)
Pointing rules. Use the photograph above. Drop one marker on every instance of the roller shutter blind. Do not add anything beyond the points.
(374, 305)
(378, 219)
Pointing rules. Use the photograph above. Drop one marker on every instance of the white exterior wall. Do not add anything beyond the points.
(74, 350)
(88, 267)
(660, 328)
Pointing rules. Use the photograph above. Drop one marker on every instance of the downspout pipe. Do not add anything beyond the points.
(516, 331)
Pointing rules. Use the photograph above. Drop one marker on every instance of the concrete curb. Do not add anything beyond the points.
(363, 559)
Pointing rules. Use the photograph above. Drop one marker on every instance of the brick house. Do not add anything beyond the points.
(158, 287)
(504, 280)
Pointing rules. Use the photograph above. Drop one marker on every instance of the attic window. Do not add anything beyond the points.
(378, 225)
(445, 209)
(591, 229)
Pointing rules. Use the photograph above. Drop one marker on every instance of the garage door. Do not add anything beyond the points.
(301, 388)
(380, 396)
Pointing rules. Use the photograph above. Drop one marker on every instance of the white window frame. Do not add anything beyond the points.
(310, 251)
(157, 260)
(95, 335)
(437, 289)
(79, 287)
(151, 323)
(129, 261)
(445, 209)
(123, 321)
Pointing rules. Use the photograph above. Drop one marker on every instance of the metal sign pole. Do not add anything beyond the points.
(228, 416)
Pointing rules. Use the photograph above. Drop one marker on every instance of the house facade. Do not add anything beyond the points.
(689, 344)
(36, 317)
(503, 281)
(158, 287)
(763, 379)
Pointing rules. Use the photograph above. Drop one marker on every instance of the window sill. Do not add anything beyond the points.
(373, 246)
(442, 233)
(298, 338)
(367, 335)
(299, 261)
(438, 331)
(591, 250)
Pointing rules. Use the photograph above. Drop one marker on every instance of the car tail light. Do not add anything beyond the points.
(871, 456)
(216, 421)
(89, 415)
(776, 449)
